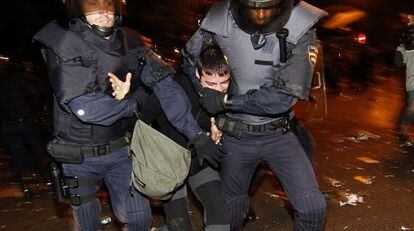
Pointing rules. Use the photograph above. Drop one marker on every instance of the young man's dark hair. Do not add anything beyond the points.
(212, 61)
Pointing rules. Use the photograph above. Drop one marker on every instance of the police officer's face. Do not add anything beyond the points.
(215, 82)
(260, 17)
(99, 12)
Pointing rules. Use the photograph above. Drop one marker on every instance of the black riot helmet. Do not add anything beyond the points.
(82, 8)
(261, 16)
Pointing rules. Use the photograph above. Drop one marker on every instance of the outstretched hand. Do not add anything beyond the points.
(119, 87)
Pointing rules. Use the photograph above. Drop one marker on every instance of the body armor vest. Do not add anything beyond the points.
(252, 68)
(91, 58)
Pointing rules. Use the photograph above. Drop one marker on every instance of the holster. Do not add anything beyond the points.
(65, 153)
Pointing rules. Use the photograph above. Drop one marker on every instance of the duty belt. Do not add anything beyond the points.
(283, 123)
(106, 148)
(235, 127)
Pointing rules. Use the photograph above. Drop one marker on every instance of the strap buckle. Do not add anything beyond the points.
(101, 150)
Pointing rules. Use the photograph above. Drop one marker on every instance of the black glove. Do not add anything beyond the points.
(212, 101)
(204, 148)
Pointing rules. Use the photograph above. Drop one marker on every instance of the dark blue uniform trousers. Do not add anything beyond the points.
(132, 209)
(285, 157)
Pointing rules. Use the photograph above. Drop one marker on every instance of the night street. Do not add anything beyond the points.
(364, 171)
(357, 152)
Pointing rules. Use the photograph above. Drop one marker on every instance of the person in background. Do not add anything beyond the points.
(405, 57)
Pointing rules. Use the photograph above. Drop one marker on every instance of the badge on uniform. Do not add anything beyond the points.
(313, 54)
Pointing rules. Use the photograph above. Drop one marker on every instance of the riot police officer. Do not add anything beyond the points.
(90, 125)
(270, 45)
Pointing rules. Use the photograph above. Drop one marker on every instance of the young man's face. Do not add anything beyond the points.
(215, 82)
(99, 12)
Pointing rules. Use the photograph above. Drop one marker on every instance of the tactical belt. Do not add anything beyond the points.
(235, 127)
(106, 148)
(283, 123)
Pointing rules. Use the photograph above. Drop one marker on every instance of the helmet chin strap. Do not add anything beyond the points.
(103, 31)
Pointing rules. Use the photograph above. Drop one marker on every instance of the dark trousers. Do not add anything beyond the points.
(206, 185)
(130, 207)
(285, 157)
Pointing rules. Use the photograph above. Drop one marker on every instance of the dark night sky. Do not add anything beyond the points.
(20, 19)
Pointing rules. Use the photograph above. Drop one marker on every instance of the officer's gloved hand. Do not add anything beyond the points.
(212, 101)
(205, 149)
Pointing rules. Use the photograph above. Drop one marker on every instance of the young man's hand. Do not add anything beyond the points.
(216, 134)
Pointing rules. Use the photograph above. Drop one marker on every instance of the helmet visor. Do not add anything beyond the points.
(260, 3)
(261, 16)
(89, 7)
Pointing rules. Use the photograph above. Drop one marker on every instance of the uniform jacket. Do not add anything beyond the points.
(262, 86)
(78, 61)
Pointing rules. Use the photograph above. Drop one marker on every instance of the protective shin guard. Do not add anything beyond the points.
(139, 215)
(215, 210)
(237, 210)
(310, 214)
(88, 216)
(177, 217)
(312, 221)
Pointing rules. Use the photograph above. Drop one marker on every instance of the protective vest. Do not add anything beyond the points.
(78, 60)
(252, 68)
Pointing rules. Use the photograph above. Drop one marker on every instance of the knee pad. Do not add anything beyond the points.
(211, 197)
(310, 221)
(238, 209)
(138, 213)
(310, 212)
(204, 176)
(310, 202)
(87, 216)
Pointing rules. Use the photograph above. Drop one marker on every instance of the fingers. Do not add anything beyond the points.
(113, 78)
(120, 88)
(216, 134)
(213, 121)
(128, 77)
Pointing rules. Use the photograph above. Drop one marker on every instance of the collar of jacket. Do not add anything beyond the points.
(113, 45)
